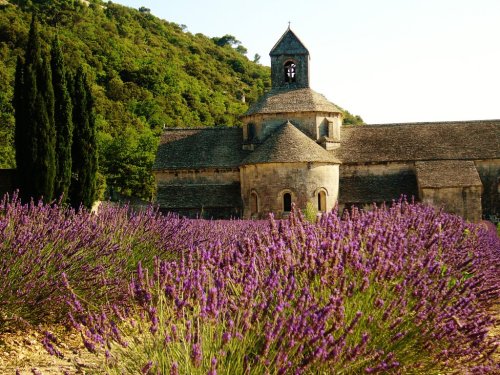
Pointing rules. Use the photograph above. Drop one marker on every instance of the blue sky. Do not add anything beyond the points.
(386, 60)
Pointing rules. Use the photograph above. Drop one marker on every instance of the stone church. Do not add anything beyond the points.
(293, 148)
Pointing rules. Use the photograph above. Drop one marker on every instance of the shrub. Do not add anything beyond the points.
(404, 289)
(310, 213)
(39, 243)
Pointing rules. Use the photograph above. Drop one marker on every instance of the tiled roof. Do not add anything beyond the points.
(466, 140)
(288, 145)
(298, 100)
(197, 196)
(447, 173)
(289, 44)
(200, 148)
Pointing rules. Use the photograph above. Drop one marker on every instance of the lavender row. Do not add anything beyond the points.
(39, 243)
(403, 289)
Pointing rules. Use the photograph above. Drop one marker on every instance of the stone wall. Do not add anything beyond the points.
(489, 172)
(463, 201)
(309, 123)
(278, 71)
(303, 181)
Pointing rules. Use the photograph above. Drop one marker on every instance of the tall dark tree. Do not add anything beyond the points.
(84, 150)
(63, 122)
(21, 137)
(35, 130)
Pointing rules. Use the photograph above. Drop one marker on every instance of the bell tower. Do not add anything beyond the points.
(289, 62)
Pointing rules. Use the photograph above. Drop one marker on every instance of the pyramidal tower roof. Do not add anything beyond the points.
(289, 44)
(289, 145)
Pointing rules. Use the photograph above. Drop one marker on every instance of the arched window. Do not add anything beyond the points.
(322, 201)
(290, 71)
(254, 203)
(287, 202)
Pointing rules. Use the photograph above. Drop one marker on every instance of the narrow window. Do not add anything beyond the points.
(287, 202)
(290, 72)
(251, 131)
(323, 130)
(322, 201)
(254, 203)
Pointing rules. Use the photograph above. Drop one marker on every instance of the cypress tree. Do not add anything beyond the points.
(63, 122)
(22, 138)
(84, 150)
(35, 130)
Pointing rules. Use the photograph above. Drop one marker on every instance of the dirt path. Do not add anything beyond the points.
(495, 331)
(22, 350)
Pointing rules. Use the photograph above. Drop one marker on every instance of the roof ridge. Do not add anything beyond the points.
(203, 128)
(430, 123)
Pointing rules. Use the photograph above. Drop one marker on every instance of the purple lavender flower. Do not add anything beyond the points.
(174, 369)
(196, 354)
(147, 367)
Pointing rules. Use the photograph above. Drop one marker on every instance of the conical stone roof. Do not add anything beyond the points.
(289, 145)
(290, 101)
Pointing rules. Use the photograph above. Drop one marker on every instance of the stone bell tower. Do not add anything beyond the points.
(289, 63)
(291, 100)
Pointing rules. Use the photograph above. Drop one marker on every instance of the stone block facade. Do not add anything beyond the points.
(315, 125)
(305, 182)
(463, 201)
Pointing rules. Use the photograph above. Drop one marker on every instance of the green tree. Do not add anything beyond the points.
(241, 49)
(84, 150)
(7, 124)
(127, 162)
(226, 40)
(63, 122)
(22, 138)
(35, 130)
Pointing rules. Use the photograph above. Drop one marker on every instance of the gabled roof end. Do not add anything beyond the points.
(288, 34)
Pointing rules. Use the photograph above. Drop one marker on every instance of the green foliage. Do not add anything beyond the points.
(350, 119)
(226, 40)
(35, 130)
(63, 110)
(127, 162)
(7, 155)
(144, 73)
(310, 212)
(84, 149)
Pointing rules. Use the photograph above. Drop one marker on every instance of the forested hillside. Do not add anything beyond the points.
(147, 74)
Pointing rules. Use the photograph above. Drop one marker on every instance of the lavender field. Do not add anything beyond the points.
(403, 289)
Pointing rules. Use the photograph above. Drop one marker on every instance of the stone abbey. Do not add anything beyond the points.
(293, 148)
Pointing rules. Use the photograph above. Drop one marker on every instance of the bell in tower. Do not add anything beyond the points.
(289, 62)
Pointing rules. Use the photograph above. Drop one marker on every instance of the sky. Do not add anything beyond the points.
(389, 61)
